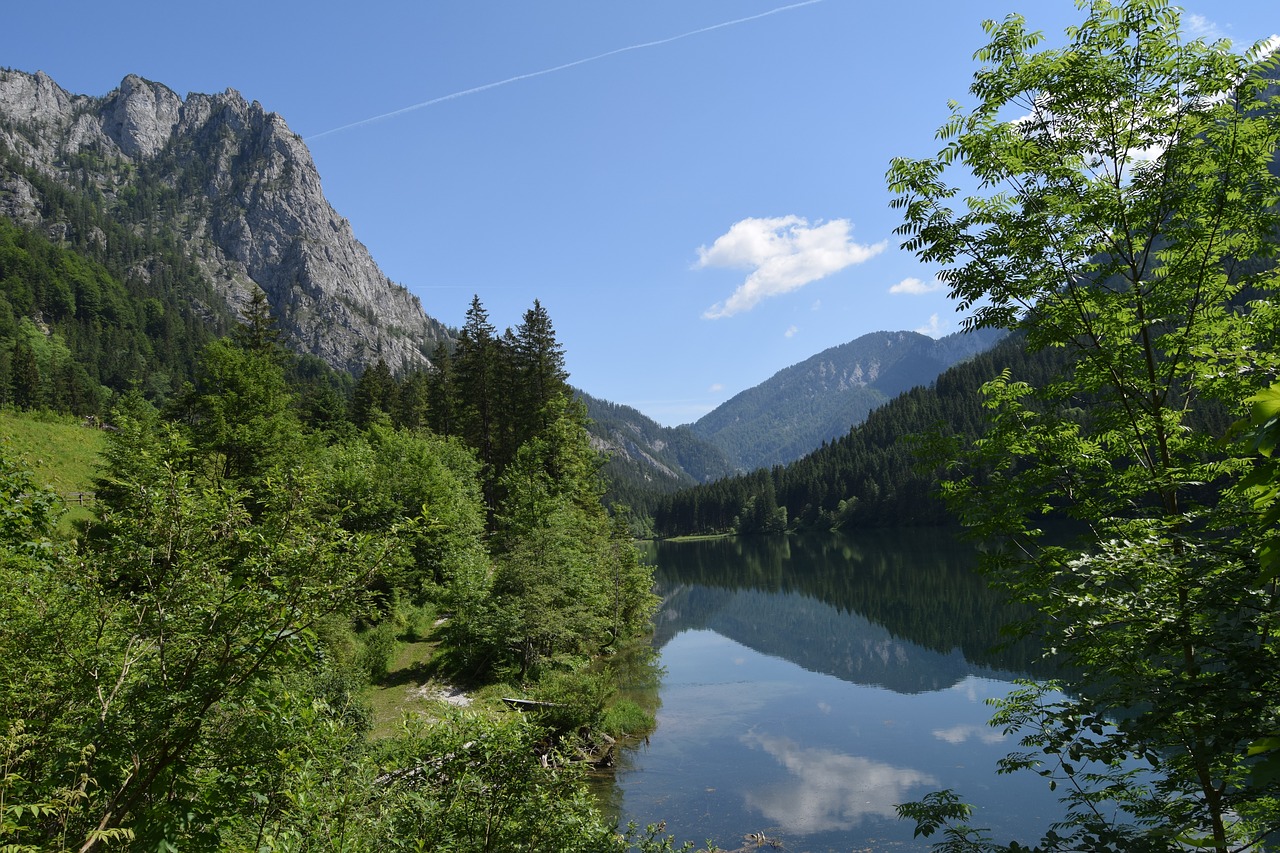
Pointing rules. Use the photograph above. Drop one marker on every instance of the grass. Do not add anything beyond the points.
(397, 693)
(416, 677)
(60, 451)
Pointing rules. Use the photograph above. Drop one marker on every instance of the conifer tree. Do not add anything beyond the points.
(538, 371)
(374, 394)
(25, 377)
(477, 371)
(442, 392)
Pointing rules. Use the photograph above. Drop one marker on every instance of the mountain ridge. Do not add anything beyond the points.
(236, 187)
(821, 398)
(237, 191)
(793, 413)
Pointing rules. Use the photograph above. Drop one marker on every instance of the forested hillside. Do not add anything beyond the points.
(187, 672)
(800, 407)
(646, 458)
(869, 477)
(77, 327)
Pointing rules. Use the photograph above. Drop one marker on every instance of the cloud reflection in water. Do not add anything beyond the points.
(960, 733)
(830, 790)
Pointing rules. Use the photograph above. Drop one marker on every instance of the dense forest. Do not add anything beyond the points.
(185, 671)
(871, 477)
(73, 332)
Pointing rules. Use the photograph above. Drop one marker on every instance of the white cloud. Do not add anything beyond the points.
(916, 287)
(716, 388)
(1201, 27)
(791, 331)
(960, 733)
(783, 253)
(829, 790)
(933, 328)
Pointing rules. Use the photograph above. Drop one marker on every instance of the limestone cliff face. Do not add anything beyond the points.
(236, 187)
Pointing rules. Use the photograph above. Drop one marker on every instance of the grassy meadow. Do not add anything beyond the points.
(61, 451)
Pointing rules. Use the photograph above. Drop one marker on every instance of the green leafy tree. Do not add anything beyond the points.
(1122, 207)
(240, 414)
(152, 665)
(389, 477)
(374, 395)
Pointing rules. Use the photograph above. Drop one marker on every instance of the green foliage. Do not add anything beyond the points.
(184, 674)
(1154, 275)
(377, 645)
(625, 718)
(239, 413)
(568, 582)
(472, 783)
(575, 700)
(388, 476)
(28, 511)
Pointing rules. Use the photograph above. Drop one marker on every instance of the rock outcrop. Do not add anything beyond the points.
(240, 192)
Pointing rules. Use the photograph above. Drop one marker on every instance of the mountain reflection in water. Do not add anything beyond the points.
(811, 683)
(901, 609)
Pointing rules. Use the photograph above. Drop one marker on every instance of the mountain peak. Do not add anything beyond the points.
(238, 188)
(821, 398)
(140, 116)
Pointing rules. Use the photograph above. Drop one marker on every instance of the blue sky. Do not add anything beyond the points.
(694, 189)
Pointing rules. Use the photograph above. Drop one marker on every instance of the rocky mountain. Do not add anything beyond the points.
(784, 418)
(797, 409)
(231, 184)
(646, 456)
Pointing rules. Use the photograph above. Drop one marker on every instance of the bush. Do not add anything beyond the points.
(575, 700)
(377, 645)
(418, 622)
(625, 718)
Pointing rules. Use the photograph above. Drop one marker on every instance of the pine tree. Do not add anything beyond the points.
(25, 376)
(477, 372)
(258, 331)
(538, 371)
(442, 393)
(374, 394)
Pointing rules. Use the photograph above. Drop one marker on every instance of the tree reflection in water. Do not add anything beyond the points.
(813, 682)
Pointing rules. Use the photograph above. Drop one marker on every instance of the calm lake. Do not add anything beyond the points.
(808, 684)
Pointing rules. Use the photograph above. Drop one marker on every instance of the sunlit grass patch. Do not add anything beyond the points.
(62, 453)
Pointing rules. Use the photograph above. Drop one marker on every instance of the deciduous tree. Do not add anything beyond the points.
(1121, 204)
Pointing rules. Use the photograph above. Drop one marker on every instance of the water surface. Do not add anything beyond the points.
(811, 683)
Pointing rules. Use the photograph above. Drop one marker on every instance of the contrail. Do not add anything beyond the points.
(476, 89)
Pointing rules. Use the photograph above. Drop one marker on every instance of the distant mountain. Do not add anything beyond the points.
(645, 456)
(224, 183)
(818, 400)
(869, 477)
(776, 422)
